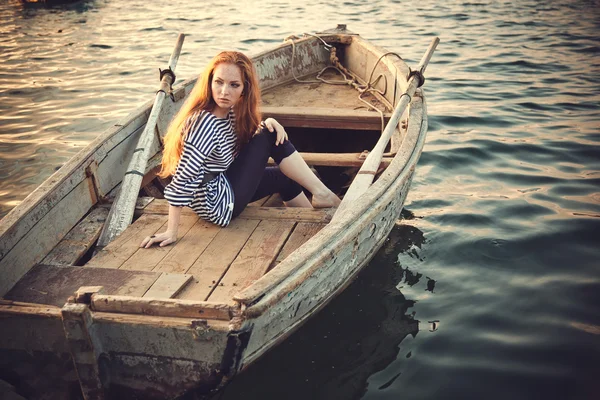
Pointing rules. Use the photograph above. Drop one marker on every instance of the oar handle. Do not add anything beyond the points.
(176, 51)
(428, 54)
(167, 76)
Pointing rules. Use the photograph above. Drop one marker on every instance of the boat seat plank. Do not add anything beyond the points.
(288, 213)
(338, 159)
(216, 259)
(126, 244)
(254, 259)
(78, 241)
(148, 259)
(50, 284)
(161, 207)
(321, 117)
(167, 285)
(301, 234)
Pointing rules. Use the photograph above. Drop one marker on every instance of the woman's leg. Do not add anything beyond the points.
(274, 181)
(246, 173)
(295, 168)
(299, 201)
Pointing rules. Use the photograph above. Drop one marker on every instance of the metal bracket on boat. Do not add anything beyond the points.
(165, 86)
(200, 327)
(419, 76)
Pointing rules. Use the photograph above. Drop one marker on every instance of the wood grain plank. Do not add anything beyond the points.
(161, 207)
(167, 286)
(148, 259)
(300, 235)
(338, 159)
(161, 307)
(215, 260)
(78, 241)
(49, 284)
(254, 259)
(288, 213)
(320, 117)
(125, 245)
(36, 242)
(187, 250)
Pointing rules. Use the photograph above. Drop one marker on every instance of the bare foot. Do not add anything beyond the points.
(324, 200)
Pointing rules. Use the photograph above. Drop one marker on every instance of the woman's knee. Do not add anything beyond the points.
(264, 138)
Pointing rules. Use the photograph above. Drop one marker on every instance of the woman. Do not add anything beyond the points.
(217, 160)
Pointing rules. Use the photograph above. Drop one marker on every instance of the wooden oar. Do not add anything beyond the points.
(121, 212)
(369, 168)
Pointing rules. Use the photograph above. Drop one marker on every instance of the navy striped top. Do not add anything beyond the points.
(209, 145)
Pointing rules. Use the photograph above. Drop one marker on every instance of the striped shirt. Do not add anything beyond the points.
(209, 146)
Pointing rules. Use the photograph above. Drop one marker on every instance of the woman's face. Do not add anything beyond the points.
(227, 85)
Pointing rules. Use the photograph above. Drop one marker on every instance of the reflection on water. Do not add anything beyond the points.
(502, 265)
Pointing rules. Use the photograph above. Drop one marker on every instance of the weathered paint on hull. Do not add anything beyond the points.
(162, 359)
(34, 356)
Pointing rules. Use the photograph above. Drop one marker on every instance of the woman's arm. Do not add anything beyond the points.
(272, 124)
(170, 235)
(190, 171)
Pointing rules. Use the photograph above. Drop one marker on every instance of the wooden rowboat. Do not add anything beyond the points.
(120, 321)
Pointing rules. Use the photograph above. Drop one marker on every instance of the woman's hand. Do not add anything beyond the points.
(163, 239)
(271, 125)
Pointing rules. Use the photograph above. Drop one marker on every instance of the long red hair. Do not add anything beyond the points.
(247, 112)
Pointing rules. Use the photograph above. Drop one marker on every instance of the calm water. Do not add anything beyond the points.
(489, 288)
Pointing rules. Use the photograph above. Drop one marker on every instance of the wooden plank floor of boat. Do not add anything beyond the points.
(209, 262)
(318, 94)
(206, 263)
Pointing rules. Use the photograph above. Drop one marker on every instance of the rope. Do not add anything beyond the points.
(348, 78)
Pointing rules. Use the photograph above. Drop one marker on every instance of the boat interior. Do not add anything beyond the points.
(329, 125)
